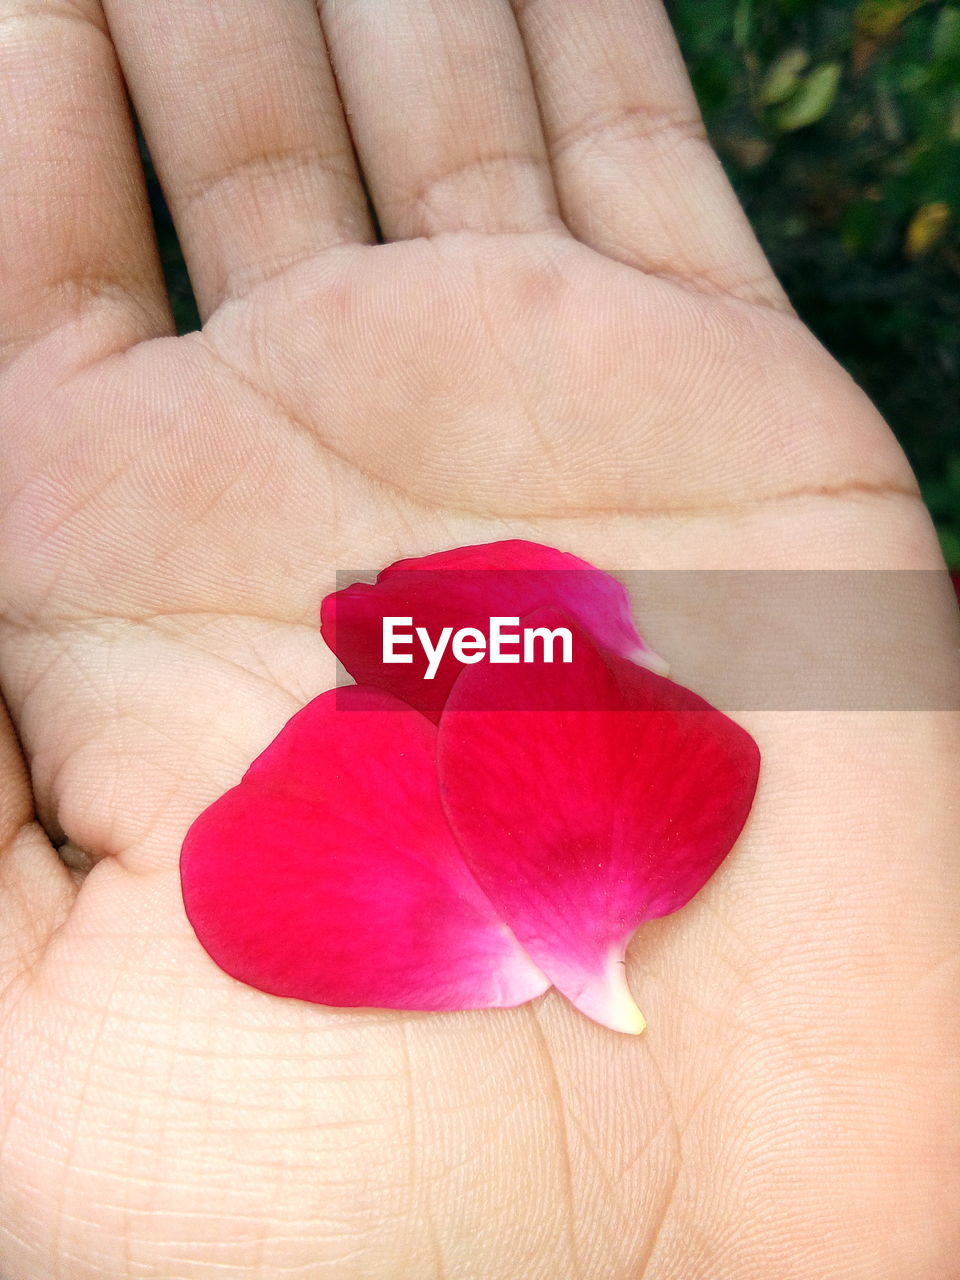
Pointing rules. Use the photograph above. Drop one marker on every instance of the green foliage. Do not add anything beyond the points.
(810, 99)
(174, 269)
(840, 127)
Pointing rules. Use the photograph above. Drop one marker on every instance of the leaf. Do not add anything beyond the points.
(874, 22)
(783, 76)
(812, 100)
(945, 40)
(879, 19)
(742, 23)
(926, 228)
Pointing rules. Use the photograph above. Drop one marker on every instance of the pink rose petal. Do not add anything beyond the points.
(329, 873)
(579, 824)
(465, 588)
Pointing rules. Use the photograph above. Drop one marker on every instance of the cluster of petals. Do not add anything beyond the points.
(469, 840)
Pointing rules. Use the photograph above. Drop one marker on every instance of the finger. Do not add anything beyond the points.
(76, 239)
(238, 104)
(443, 115)
(636, 177)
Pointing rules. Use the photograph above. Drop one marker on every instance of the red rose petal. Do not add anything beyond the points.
(465, 588)
(330, 874)
(579, 824)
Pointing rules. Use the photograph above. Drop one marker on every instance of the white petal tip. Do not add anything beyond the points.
(626, 1017)
(607, 1000)
(652, 661)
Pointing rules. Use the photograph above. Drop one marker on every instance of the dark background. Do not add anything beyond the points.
(839, 124)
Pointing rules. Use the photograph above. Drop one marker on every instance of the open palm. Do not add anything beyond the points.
(569, 335)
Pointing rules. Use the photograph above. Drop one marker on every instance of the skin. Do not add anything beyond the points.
(571, 336)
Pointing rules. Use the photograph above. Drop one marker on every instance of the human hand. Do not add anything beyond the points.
(570, 336)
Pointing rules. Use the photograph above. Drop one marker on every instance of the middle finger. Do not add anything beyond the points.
(443, 115)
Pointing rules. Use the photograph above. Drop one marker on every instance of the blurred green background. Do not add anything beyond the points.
(840, 127)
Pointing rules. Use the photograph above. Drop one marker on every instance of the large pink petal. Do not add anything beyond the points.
(330, 874)
(607, 797)
(465, 587)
